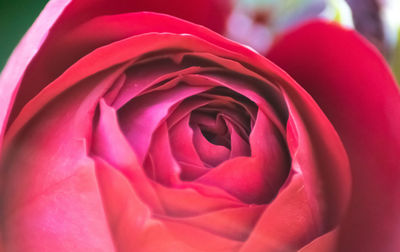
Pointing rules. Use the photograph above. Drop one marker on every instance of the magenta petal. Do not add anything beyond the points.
(182, 147)
(239, 147)
(210, 153)
(113, 92)
(127, 216)
(160, 164)
(107, 134)
(141, 77)
(143, 115)
(258, 178)
(269, 148)
(110, 144)
(354, 87)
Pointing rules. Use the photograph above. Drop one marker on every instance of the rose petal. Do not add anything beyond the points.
(68, 216)
(239, 147)
(158, 236)
(112, 93)
(49, 37)
(190, 235)
(233, 223)
(110, 144)
(41, 152)
(160, 164)
(127, 216)
(287, 224)
(142, 76)
(254, 179)
(48, 157)
(143, 115)
(254, 93)
(210, 153)
(190, 201)
(354, 87)
(181, 136)
(143, 44)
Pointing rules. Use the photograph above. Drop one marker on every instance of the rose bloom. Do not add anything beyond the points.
(124, 130)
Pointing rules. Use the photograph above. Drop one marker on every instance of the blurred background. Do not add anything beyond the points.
(260, 20)
(16, 16)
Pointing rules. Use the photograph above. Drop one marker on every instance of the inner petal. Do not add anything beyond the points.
(212, 126)
(210, 153)
(255, 179)
(140, 117)
(181, 135)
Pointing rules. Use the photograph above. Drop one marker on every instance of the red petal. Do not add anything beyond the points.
(210, 153)
(287, 224)
(181, 136)
(50, 37)
(127, 216)
(160, 164)
(141, 117)
(233, 223)
(39, 153)
(258, 178)
(68, 216)
(110, 144)
(207, 242)
(354, 87)
(50, 188)
(189, 202)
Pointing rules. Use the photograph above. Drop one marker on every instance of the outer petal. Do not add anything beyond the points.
(12, 73)
(354, 87)
(50, 188)
(46, 39)
(286, 224)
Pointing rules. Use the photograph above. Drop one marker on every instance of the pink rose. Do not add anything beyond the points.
(125, 130)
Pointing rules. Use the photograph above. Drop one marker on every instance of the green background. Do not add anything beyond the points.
(16, 16)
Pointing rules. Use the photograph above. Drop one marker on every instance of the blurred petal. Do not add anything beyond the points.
(354, 87)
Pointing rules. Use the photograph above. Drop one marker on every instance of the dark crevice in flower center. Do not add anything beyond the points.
(216, 139)
(222, 115)
(218, 135)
